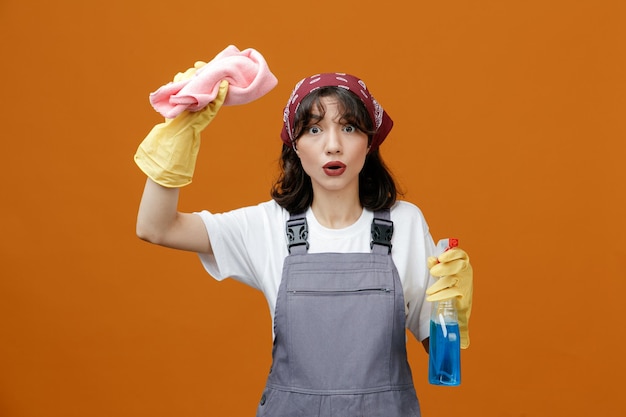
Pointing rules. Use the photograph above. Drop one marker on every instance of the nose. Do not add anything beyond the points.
(333, 141)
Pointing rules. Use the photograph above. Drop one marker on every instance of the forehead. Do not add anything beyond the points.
(329, 109)
(325, 104)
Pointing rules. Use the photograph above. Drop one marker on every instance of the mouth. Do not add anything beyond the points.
(334, 168)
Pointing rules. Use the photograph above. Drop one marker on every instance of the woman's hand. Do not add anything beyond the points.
(455, 280)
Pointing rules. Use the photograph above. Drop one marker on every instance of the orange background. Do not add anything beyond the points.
(509, 133)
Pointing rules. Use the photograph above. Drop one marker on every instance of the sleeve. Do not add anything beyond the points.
(246, 243)
(416, 245)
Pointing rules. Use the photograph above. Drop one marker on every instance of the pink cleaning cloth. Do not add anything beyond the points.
(247, 73)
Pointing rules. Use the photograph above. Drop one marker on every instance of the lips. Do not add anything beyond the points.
(334, 168)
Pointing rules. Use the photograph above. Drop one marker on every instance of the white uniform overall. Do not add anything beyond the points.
(340, 345)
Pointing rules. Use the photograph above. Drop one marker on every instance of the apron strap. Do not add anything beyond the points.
(297, 233)
(382, 232)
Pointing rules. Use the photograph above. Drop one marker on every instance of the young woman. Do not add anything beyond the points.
(344, 265)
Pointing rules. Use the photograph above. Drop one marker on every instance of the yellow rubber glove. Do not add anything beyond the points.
(168, 154)
(455, 281)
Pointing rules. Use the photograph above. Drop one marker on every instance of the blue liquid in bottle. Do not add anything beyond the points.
(444, 367)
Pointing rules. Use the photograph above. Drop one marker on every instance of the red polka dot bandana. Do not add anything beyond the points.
(382, 121)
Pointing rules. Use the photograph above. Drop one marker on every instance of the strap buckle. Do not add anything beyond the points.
(382, 232)
(297, 233)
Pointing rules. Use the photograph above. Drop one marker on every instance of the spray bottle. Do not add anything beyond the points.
(444, 364)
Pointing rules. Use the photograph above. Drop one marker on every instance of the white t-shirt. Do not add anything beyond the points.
(249, 245)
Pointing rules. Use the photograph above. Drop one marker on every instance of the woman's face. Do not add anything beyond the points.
(332, 152)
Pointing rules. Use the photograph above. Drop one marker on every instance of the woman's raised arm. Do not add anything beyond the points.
(168, 156)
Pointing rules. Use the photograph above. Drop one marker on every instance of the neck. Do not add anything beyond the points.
(335, 212)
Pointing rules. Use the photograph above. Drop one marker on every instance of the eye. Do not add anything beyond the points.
(349, 129)
(314, 130)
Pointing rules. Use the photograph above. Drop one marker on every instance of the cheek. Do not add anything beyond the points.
(305, 161)
(360, 153)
